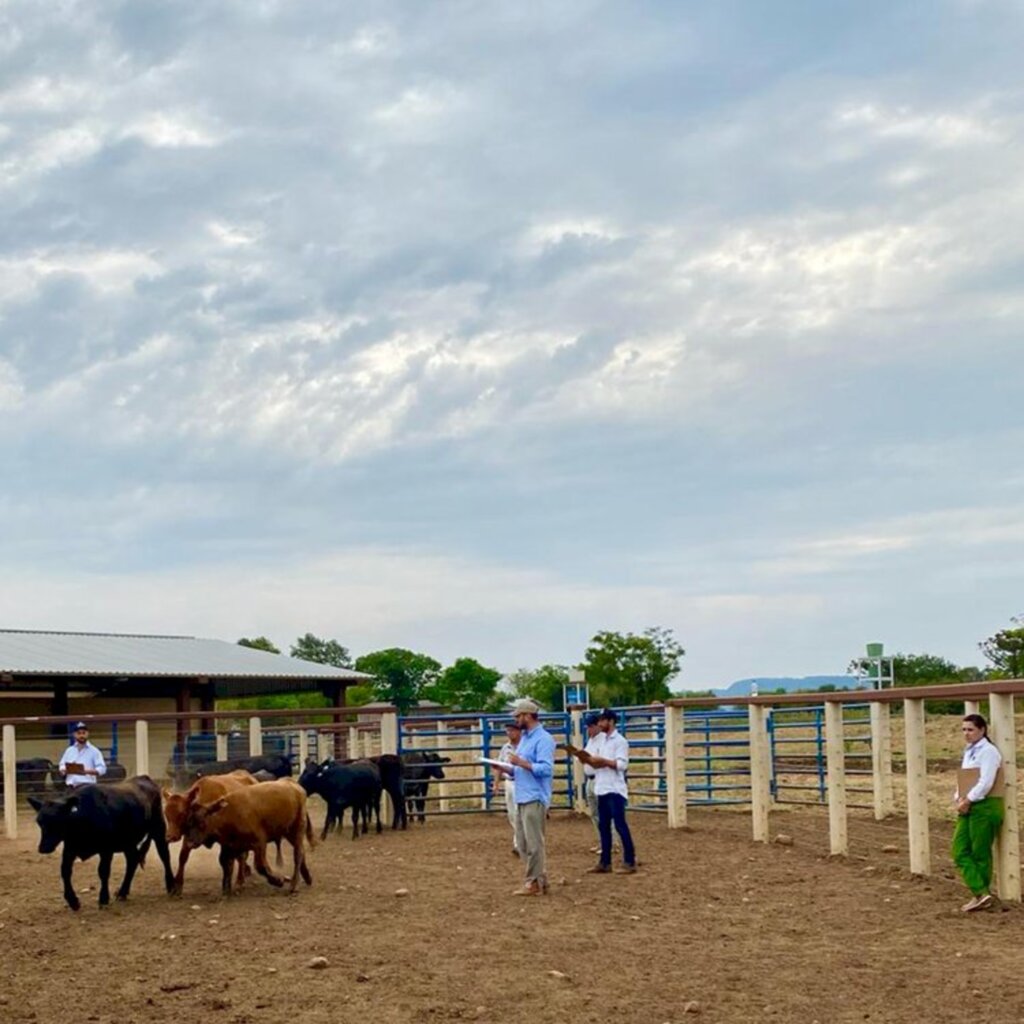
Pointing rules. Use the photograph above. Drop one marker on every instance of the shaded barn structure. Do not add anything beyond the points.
(68, 674)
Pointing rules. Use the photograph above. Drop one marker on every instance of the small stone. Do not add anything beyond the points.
(783, 839)
(195, 906)
(634, 917)
(213, 920)
(317, 963)
(557, 974)
(691, 1007)
(870, 869)
(271, 970)
(401, 892)
(362, 977)
(890, 848)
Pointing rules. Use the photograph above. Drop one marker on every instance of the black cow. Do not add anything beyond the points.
(278, 765)
(122, 817)
(420, 767)
(116, 772)
(392, 782)
(33, 775)
(342, 786)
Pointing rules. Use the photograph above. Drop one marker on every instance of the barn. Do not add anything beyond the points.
(58, 673)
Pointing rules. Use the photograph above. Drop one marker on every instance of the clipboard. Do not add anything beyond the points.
(967, 779)
(502, 766)
(73, 768)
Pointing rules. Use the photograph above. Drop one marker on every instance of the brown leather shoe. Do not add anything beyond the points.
(530, 889)
(600, 869)
(626, 869)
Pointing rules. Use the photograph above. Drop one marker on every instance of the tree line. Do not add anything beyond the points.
(620, 669)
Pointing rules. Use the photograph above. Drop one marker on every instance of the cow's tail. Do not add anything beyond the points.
(144, 849)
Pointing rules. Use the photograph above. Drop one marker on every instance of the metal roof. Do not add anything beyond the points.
(41, 653)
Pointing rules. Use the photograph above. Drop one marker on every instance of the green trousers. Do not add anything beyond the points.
(975, 833)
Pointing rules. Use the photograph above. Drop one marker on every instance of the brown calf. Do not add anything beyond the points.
(248, 819)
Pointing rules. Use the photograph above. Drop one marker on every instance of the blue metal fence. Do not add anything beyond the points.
(469, 785)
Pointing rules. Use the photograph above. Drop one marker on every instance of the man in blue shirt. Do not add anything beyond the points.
(534, 762)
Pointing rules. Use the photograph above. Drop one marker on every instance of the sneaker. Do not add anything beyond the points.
(986, 902)
(600, 869)
(529, 889)
(974, 904)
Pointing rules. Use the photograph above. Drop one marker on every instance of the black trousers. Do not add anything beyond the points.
(611, 809)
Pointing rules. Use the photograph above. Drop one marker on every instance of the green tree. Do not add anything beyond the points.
(324, 652)
(543, 685)
(467, 685)
(259, 643)
(1005, 650)
(400, 676)
(630, 669)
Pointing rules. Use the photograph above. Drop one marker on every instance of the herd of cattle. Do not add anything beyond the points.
(242, 806)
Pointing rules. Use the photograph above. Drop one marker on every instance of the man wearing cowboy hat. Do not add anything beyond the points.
(82, 755)
(534, 762)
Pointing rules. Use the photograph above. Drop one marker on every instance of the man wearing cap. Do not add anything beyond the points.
(82, 754)
(610, 759)
(589, 771)
(504, 778)
(534, 762)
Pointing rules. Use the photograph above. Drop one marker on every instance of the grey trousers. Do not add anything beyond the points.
(530, 823)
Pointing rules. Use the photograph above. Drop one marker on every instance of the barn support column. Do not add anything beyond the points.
(335, 694)
(675, 766)
(10, 783)
(917, 787)
(207, 702)
(760, 771)
(183, 704)
(881, 760)
(1007, 851)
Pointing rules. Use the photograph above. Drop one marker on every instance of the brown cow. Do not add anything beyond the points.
(204, 791)
(248, 819)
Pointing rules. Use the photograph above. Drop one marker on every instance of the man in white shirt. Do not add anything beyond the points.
(512, 735)
(610, 759)
(86, 760)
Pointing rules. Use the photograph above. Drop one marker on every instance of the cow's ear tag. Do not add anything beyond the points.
(74, 810)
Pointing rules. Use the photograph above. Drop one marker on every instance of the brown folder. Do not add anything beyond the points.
(71, 768)
(967, 779)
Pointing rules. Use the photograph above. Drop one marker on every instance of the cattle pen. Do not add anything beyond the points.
(792, 870)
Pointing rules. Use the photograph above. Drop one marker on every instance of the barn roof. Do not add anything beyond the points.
(33, 653)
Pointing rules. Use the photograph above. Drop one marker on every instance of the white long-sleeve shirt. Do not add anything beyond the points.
(615, 747)
(88, 757)
(589, 770)
(983, 755)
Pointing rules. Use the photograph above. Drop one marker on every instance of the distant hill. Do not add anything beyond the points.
(767, 684)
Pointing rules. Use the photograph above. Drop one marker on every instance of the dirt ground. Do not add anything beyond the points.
(735, 931)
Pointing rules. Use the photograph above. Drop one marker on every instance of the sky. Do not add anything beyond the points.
(478, 328)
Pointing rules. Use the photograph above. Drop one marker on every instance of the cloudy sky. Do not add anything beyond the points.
(479, 327)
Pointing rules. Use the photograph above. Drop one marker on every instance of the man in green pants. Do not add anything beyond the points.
(980, 813)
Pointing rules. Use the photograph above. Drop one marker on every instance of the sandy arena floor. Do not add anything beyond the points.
(739, 932)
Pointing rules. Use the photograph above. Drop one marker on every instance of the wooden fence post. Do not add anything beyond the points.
(255, 737)
(1007, 851)
(917, 787)
(576, 729)
(881, 759)
(141, 748)
(303, 749)
(324, 746)
(222, 746)
(971, 707)
(675, 766)
(835, 755)
(443, 786)
(10, 783)
(760, 771)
